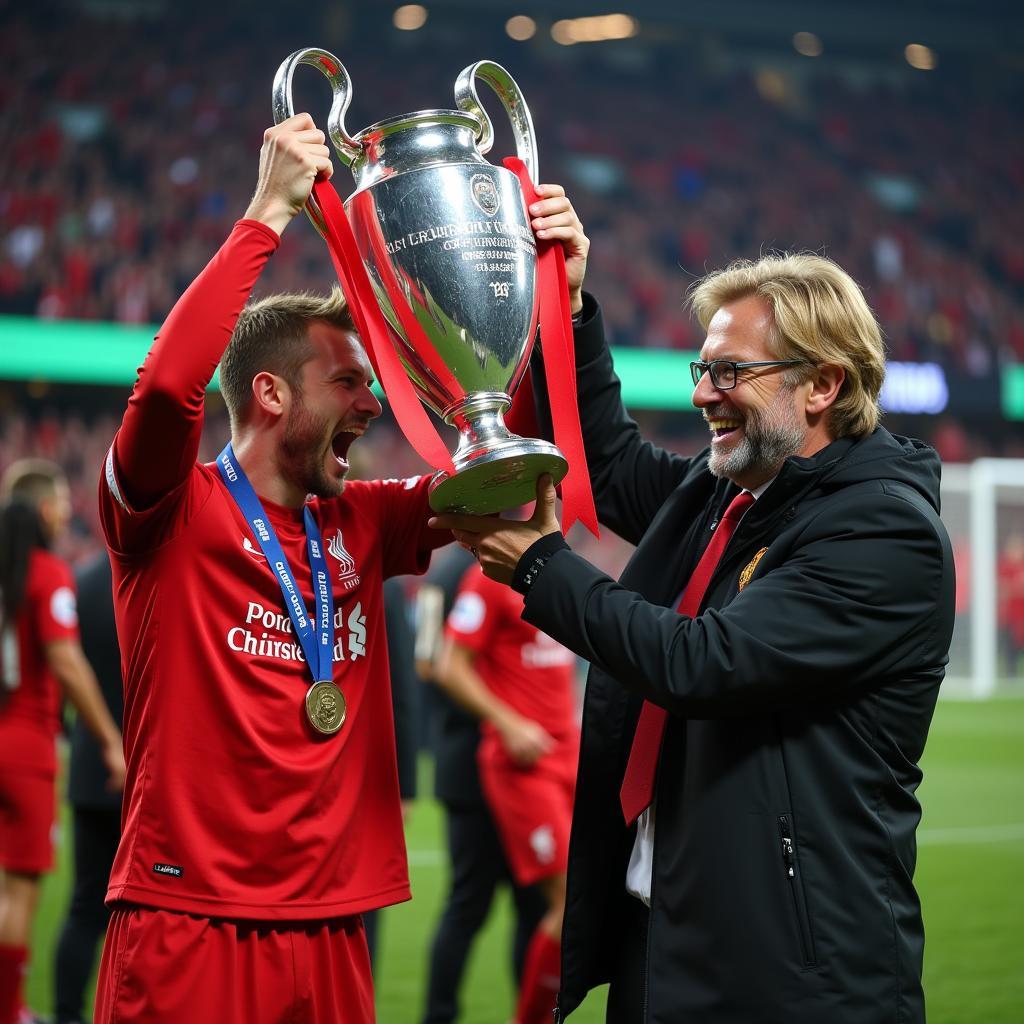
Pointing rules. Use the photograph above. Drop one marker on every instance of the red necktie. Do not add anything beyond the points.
(638, 784)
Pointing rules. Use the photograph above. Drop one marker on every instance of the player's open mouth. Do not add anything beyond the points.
(340, 444)
(723, 428)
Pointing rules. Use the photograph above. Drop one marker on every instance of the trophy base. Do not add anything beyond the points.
(502, 477)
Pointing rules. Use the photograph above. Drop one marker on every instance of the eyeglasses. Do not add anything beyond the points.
(725, 372)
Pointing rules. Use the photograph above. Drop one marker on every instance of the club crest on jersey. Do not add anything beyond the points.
(748, 569)
(347, 571)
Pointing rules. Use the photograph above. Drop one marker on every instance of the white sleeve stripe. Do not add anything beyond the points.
(111, 475)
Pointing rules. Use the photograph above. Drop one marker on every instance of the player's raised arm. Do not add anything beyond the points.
(158, 442)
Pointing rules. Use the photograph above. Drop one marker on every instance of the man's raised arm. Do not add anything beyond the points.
(158, 442)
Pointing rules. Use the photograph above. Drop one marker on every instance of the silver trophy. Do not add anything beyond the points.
(448, 231)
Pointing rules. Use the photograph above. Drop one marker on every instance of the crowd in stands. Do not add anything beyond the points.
(128, 150)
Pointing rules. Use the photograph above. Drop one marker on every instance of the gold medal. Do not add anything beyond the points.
(325, 707)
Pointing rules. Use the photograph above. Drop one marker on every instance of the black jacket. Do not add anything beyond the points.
(455, 732)
(799, 708)
(88, 777)
(404, 684)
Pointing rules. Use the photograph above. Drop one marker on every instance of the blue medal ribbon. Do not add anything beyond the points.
(315, 636)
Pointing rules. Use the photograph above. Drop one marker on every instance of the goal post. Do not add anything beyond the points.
(983, 509)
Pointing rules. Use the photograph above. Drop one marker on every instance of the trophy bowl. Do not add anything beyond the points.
(445, 239)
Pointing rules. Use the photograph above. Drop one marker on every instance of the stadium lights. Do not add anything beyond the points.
(920, 56)
(772, 85)
(914, 388)
(596, 29)
(521, 27)
(807, 44)
(410, 17)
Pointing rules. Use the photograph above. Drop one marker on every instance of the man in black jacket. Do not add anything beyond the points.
(477, 861)
(95, 806)
(405, 707)
(770, 879)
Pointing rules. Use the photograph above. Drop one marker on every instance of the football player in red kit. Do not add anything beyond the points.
(520, 683)
(41, 661)
(261, 812)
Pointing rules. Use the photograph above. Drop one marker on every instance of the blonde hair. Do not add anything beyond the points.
(819, 315)
(271, 336)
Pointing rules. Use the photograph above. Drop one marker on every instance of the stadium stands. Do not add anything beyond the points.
(129, 165)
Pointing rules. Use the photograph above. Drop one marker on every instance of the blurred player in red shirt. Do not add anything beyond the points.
(520, 683)
(41, 661)
(262, 812)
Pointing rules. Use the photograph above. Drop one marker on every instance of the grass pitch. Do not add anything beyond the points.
(970, 866)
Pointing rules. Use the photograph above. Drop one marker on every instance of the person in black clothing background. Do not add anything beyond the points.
(477, 861)
(405, 706)
(96, 809)
(763, 675)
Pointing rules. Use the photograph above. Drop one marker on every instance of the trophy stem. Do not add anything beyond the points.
(495, 470)
(479, 418)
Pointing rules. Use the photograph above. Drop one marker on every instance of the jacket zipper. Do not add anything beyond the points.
(796, 888)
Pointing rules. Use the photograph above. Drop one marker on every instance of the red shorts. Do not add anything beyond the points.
(531, 806)
(163, 967)
(27, 807)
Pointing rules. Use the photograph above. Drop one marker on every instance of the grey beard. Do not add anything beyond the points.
(767, 442)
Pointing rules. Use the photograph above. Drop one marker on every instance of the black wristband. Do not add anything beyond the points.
(534, 558)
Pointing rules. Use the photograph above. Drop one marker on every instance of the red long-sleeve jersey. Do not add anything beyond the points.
(233, 806)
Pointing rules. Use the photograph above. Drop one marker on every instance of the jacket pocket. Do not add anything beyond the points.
(791, 865)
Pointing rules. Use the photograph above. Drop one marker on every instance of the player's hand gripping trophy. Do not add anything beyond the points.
(445, 239)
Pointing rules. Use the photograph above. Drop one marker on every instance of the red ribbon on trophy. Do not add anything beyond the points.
(411, 416)
(413, 421)
(559, 354)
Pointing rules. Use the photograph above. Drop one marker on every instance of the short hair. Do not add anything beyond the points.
(819, 315)
(31, 481)
(271, 335)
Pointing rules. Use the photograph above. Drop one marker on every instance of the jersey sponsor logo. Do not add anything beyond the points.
(357, 632)
(468, 612)
(542, 842)
(543, 652)
(268, 633)
(169, 869)
(347, 572)
(63, 607)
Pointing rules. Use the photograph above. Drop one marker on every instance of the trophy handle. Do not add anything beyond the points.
(341, 88)
(512, 100)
